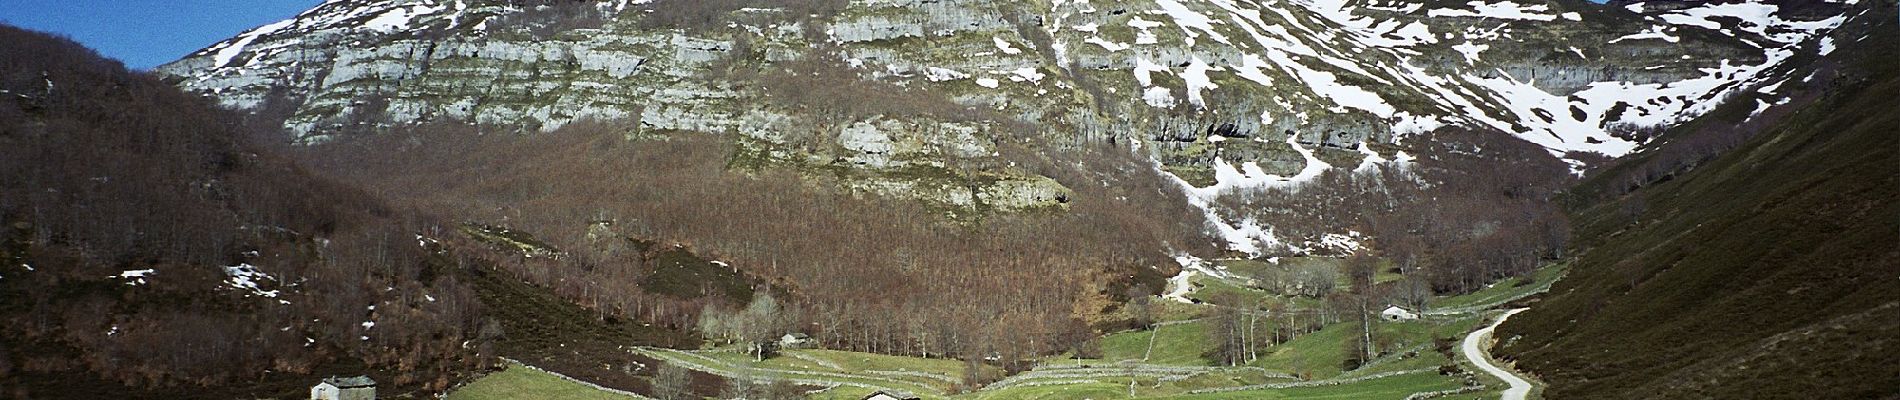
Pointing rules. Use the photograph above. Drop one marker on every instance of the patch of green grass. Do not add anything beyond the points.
(1170, 310)
(1316, 355)
(1321, 354)
(1105, 390)
(1128, 345)
(1244, 267)
(518, 382)
(1222, 292)
(1197, 176)
(1505, 289)
(1178, 344)
(842, 393)
(1226, 378)
(1230, 294)
(1396, 387)
(1385, 273)
(727, 363)
(854, 361)
(1343, 281)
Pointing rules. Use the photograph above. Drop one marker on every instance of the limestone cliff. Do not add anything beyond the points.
(1208, 88)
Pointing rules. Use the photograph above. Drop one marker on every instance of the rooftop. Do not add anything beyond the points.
(350, 382)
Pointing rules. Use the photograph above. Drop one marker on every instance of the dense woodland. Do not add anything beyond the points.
(109, 171)
(1482, 207)
(857, 271)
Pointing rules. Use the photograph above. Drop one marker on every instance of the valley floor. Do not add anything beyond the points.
(1166, 361)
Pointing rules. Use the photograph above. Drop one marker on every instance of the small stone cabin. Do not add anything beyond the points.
(795, 340)
(352, 388)
(1396, 313)
(891, 395)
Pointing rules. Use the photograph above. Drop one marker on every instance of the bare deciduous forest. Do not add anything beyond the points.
(110, 171)
(1483, 208)
(860, 272)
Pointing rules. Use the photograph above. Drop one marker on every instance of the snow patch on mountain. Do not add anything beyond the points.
(1372, 160)
(1005, 47)
(246, 277)
(1375, 71)
(399, 18)
(1248, 236)
(1192, 23)
(137, 276)
(1107, 45)
(938, 74)
(1197, 81)
(1327, 85)
(1498, 10)
(1654, 32)
(1349, 56)
(225, 52)
(1158, 97)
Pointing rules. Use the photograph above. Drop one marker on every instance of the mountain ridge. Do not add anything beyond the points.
(1763, 271)
(861, 31)
(1173, 79)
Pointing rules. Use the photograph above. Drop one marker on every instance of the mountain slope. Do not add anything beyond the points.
(939, 84)
(150, 249)
(1766, 272)
(1383, 63)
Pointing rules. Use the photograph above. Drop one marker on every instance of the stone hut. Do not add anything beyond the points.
(351, 388)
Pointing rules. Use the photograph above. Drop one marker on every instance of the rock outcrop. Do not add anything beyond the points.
(1166, 76)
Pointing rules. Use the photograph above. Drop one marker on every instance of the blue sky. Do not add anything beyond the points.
(146, 33)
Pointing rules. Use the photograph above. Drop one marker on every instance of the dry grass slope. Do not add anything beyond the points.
(1764, 273)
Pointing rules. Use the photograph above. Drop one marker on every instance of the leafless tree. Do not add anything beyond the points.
(670, 382)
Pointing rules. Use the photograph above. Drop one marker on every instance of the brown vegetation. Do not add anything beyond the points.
(1765, 272)
(700, 16)
(545, 18)
(861, 272)
(111, 171)
(1482, 208)
(1695, 144)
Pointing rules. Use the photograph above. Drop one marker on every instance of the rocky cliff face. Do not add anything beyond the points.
(1209, 88)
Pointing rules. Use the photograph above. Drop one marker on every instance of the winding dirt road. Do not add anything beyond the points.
(1476, 349)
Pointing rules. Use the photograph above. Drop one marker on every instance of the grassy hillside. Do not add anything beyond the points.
(1767, 272)
(1414, 357)
(518, 382)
